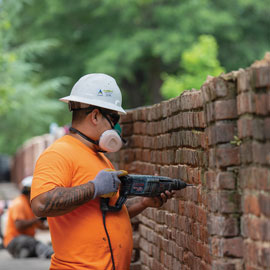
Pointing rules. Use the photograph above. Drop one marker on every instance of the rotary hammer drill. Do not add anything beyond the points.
(141, 185)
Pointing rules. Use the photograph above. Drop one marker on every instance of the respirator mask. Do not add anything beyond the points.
(110, 140)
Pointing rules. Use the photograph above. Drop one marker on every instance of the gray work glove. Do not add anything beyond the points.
(107, 181)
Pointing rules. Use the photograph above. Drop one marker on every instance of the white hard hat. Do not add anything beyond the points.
(97, 89)
(27, 181)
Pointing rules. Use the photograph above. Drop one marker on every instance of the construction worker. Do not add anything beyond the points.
(19, 237)
(72, 174)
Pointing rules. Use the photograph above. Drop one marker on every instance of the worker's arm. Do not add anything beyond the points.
(24, 224)
(145, 202)
(62, 200)
(42, 225)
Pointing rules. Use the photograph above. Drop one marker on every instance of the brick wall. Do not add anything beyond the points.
(218, 139)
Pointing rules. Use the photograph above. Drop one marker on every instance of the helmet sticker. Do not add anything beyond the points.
(100, 93)
(108, 93)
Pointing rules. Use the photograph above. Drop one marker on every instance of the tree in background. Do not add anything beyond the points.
(26, 106)
(135, 41)
(138, 40)
(244, 35)
(197, 63)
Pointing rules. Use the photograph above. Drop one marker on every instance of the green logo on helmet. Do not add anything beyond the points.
(107, 93)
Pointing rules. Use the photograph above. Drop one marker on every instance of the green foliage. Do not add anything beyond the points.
(245, 36)
(132, 40)
(26, 106)
(138, 40)
(197, 63)
(6, 60)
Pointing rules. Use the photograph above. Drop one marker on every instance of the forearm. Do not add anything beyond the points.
(24, 224)
(156, 202)
(61, 200)
(136, 208)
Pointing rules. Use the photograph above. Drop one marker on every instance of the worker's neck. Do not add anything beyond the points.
(84, 141)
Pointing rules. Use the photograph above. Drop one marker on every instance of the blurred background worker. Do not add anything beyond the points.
(21, 227)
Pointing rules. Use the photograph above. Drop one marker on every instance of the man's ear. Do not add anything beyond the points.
(94, 116)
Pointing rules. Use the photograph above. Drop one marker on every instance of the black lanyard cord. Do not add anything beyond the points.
(74, 130)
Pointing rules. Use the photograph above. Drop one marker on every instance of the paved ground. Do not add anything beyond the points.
(7, 192)
(8, 263)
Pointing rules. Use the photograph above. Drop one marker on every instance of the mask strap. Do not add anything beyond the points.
(74, 130)
(118, 129)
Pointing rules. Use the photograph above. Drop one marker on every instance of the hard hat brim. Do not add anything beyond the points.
(94, 102)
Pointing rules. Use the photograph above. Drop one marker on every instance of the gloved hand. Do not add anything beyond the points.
(107, 181)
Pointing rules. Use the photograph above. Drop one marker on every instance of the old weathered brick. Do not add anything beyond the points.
(262, 231)
(220, 87)
(222, 226)
(258, 129)
(251, 204)
(250, 127)
(268, 101)
(261, 104)
(210, 179)
(225, 132)
(244, 125)
(135, 266)
(221, 265)
(264, 202)
(205, 92)
(244, 78)
(246, 153)
(227, 155)
(264, 259)
(262, 77)
(210, 112)
(127, 118)
(251, 252)
(212, 158)
(226, 180)
(259, 152)
(267, 128)
(232, 247)
(212, 201)
(225, 109)
(228, 201)
(245, 103)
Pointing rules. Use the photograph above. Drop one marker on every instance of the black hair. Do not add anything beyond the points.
(26, 191)
(78, 113)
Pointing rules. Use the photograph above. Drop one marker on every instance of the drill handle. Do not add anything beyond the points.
(105, 207)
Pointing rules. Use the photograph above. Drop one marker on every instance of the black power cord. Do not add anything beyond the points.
(108, 237)
(104, 210)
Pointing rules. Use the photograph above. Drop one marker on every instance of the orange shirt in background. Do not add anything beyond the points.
(78, 238)
(19, 210)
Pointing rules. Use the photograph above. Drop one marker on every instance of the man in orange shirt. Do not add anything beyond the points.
(73, 173)
(21, 227)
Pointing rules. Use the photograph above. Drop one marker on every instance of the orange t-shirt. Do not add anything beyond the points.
(19, 210)
(78, 238)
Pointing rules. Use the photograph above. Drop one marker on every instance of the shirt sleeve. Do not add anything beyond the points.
(52, 170)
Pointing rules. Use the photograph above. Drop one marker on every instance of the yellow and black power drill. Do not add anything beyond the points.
(141, 185)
